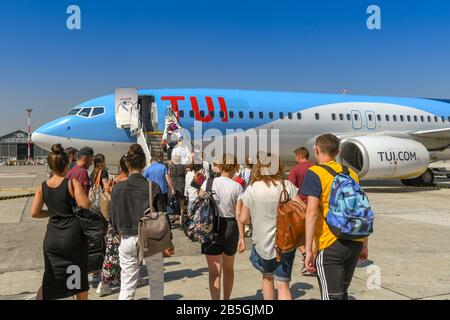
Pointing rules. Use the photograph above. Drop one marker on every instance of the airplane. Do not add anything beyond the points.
(382, 137)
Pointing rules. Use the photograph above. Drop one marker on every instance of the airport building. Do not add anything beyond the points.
(14, 147)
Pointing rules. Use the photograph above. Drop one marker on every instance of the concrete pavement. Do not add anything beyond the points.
(409, 250)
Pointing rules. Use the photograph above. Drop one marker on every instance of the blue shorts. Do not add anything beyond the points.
(281, 271)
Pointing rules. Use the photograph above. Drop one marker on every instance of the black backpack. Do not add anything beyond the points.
(94, 227)
(201, 222)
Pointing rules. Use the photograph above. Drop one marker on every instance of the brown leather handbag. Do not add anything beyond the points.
(154, 232)
(290, 231)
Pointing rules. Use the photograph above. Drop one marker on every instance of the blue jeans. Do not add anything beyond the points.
(281, 271)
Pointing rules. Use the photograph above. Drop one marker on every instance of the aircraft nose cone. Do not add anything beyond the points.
(40, 139)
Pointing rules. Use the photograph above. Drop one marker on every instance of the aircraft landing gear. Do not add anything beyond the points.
(425, 180)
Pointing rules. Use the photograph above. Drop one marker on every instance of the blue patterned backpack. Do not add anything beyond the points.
(349, 213)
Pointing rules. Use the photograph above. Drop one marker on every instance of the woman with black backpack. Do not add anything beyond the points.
(220, 254)
(65, 244)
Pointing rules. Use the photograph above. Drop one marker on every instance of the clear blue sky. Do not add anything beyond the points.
(312, 46)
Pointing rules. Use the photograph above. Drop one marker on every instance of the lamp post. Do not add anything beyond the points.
(29, 110)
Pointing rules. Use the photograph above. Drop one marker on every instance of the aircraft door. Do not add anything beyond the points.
(147, 113)
(125, 105)
(356, 120)
(371, 120)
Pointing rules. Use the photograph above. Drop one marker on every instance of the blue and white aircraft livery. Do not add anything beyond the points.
(382, 137)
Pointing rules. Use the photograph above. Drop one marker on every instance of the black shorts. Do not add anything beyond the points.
(227, 239)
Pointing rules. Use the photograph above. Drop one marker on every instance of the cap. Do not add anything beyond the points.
(86, 152)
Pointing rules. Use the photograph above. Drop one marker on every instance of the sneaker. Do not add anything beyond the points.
(103, 290)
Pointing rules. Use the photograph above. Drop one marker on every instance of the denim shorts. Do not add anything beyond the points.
(281, 271)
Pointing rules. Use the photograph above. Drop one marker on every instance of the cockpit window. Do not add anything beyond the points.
(73, 112)
(85, 112)
(98, 111)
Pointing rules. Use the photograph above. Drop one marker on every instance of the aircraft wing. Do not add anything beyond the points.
(443, 133)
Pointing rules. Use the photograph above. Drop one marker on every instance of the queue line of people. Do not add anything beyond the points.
(253, 202)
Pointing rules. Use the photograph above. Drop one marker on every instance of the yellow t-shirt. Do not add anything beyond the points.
(317, 183)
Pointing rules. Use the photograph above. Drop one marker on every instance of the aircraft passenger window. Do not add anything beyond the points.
(251, 114)
(402, 118)
(415, 118)
(191, 114)
(85, 112)
(370, 117)
(378, 117)
(387, 117)
(333, 116)
(395, 118)
(429, 118)
(348, 117)
(181, 113)
(231, 114)
(271, 115)
(290, 115)
(281, 115)
(261, 115)
(317, 116)
(73, 112)
(222, 114)
(241, 115)
(341, 116)
(299, 115)
(355, 116)
(408, 118)
(212, 114)
(422, 119)
(202, 114)
(449, 118)
(435, 119)
(443, 119)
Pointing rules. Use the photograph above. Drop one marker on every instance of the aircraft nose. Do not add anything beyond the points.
(50, 133)
(39, 138)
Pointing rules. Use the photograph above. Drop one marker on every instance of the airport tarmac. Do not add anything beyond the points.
(409, 252)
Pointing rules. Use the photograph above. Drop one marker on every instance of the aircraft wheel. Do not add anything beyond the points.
(425, 180)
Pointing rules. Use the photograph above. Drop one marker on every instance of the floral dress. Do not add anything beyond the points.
(111, 263)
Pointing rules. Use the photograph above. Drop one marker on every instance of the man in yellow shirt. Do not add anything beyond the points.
(334, 259)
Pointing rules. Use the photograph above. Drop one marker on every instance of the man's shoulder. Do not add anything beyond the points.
(77, 171)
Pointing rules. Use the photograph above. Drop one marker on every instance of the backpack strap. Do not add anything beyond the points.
(150, 196)
(345, 170)
(284, 195)
(329, 169)
(209, 184)
(98, 178)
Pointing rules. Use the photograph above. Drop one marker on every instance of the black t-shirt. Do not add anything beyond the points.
(104, 175)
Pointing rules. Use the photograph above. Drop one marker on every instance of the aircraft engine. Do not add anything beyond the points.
(384, 157)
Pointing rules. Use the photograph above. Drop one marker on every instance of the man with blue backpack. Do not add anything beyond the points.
(339, 220)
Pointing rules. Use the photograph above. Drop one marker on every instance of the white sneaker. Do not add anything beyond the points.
(103, 290)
